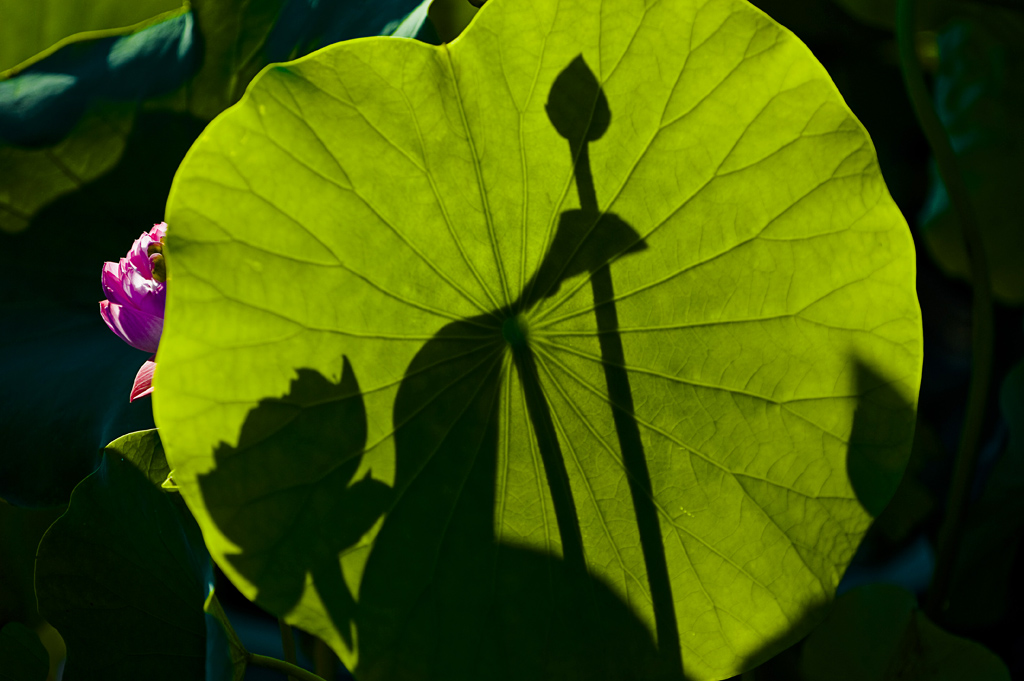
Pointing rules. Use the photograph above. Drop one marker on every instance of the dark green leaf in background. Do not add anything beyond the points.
(90, 136)
(243, 36)
(877, 633)
(623, 303)
(29, 28)
(41, 103)
(22, 656)
(882, 13)
(65, 381)
(226, 657)
(20, 532)
(65, 117)
(123, 576)
(994, 525)
(144, 451)
(979, 95)
(450, 17)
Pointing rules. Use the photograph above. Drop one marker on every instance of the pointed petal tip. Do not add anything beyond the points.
(143, 381)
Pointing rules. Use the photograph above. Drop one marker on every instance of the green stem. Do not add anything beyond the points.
(281, 666)
(287, 643)
(951, 532)
(323, 659)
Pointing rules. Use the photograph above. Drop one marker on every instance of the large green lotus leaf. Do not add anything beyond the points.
(512, 357)
(979, 94)
(123, 576)
(31, 27)
(876, 633)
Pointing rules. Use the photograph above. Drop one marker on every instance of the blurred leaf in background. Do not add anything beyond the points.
(877, 633)
(91, 132)
(882, 13)
(451, 17)
(33, 27)
(22, 655)
(20, 531)
(226, 657)
(994, 525)
(65, 115)
(123, 575)
(979, 95)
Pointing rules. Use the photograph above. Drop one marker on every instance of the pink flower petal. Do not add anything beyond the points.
(143, 381)
(137, 329)
(134, 308)
(113, 288)
(144, 294)
(138, 259)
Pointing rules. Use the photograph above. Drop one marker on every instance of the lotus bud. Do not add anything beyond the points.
(135, 288)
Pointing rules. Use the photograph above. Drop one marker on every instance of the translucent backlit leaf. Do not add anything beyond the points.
(585, 343)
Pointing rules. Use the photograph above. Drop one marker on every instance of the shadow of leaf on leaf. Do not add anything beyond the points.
(879, 446)
(285, 494)
(442, 594)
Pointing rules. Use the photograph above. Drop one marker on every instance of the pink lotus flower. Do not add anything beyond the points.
(134, 309)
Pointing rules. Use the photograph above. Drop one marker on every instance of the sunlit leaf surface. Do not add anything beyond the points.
(586, 344)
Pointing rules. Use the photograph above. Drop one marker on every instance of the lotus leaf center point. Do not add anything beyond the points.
(514, 331)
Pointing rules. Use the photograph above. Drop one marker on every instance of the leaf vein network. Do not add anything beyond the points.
(687, 381)
(452, 232)
(401, 236)
(492, 352)
(640, 289)
(307, 326)
(655, 429)
(557, 419)
(479, 176)
(650, 426)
